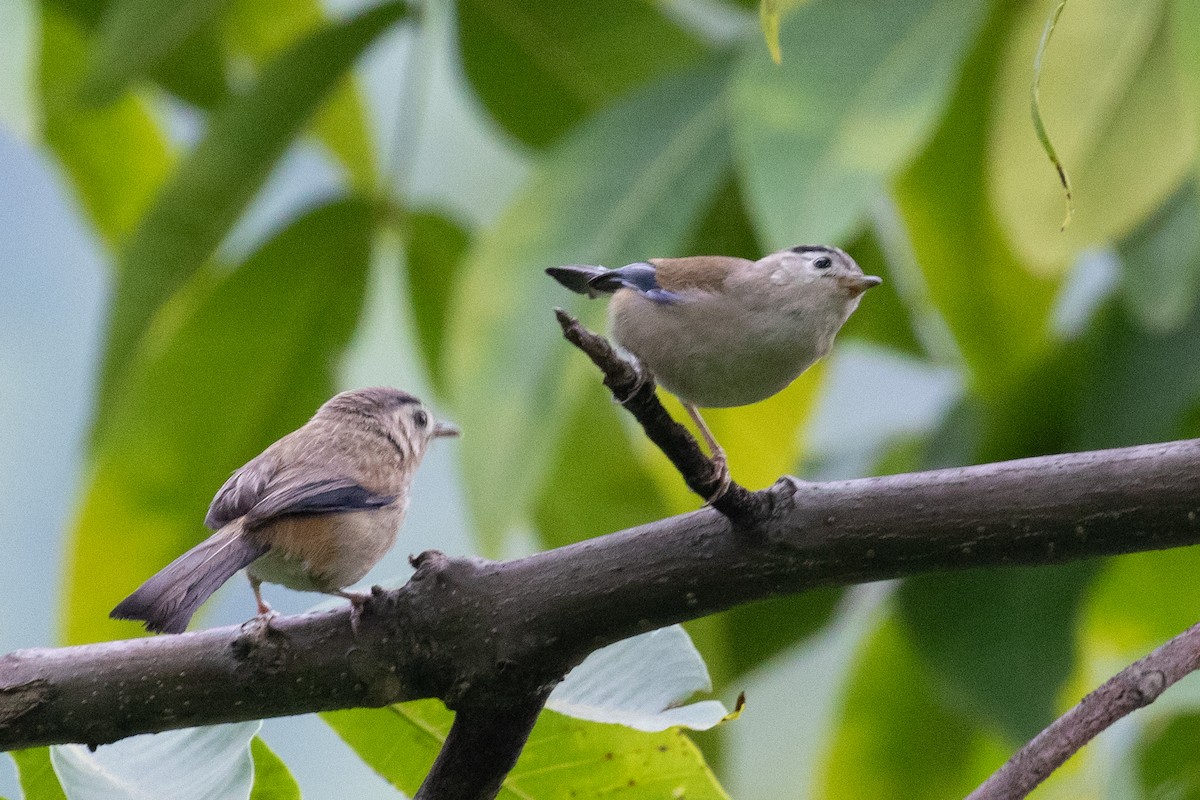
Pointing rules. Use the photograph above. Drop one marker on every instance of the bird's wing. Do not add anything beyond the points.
(707, 273)
(302, 493)
(641, 277)
(244, 488)
(261, 491)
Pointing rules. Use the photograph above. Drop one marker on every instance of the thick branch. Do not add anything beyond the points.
(490, 635)
(1138, 685)
(480, 751)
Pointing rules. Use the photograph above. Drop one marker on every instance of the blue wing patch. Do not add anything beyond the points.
(641, 277)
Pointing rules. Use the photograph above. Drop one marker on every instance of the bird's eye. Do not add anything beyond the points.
(824, 262)
(421, 418)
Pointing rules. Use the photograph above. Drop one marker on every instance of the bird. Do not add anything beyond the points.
(722, 331)
(313, 512)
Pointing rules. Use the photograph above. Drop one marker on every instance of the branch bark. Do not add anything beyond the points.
(488, 635)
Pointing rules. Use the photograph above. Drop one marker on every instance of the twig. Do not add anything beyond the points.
(636, 393)
(1138, 685)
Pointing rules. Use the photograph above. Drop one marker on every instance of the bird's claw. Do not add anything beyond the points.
(721, 470)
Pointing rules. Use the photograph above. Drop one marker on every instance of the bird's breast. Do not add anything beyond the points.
(326, 551)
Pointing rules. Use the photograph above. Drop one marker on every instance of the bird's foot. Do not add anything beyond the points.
(643, 377)
(358, 601)
(721, 474)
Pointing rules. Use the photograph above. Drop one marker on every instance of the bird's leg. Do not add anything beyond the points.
(264, 609)
(715, 450)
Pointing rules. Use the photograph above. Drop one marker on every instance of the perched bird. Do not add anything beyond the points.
(314, 511)
(718, 331)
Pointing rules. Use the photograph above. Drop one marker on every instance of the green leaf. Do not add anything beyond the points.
(896, 739)
(1126, 621)
(998, 313)
(1166, 758)
(883, 317)
(434, 248)
(116, 157)
(1141, 384)
(195, 69)
(188, 764)
(627, 186)
(541, 66)
(596, 468)
(36, 774)
(1185, 30)
(770, 14)
(272, 779)
(1110, 70)
(260, 30)
(587, 759)
(864, 85)
(238, 360)
(216, 181)
(137, 35)
(1161, 258)
(1000, 640)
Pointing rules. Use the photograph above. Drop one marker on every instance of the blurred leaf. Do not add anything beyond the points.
(260, 29)
(863, 86)
(434, 249)
(1185, 30)
(882, 317)
(1141, 600)
(1035, 106)
(745, 637)
(135, 36)
(1141, 384)
(1000, 640)
(895, 738)
(997, 312)
(1161, 258)
(770, 16)
(116, 157)
(541, 66)
(272, 779)
(643, 682)
(725, 229)
(36, 775)
(195, 69)
(1168, 766)
(188, 764)
(586, 759)
(596, 484)
(216, 181)
(626, 186)
(233, 363)
(1110, 70)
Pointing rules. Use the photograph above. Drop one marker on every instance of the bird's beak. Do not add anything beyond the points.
(857, 284)
(445, 429)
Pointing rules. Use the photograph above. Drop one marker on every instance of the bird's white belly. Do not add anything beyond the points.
(717, 360)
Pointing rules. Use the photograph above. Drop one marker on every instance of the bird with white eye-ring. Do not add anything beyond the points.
(720, 331)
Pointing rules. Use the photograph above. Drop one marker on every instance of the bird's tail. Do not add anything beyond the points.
(168, 600)
(579, 278)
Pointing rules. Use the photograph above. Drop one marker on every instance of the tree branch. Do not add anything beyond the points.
(635, 390)
(1134, 687)
(487, 635)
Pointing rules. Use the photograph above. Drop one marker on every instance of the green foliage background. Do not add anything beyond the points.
(898, 129)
